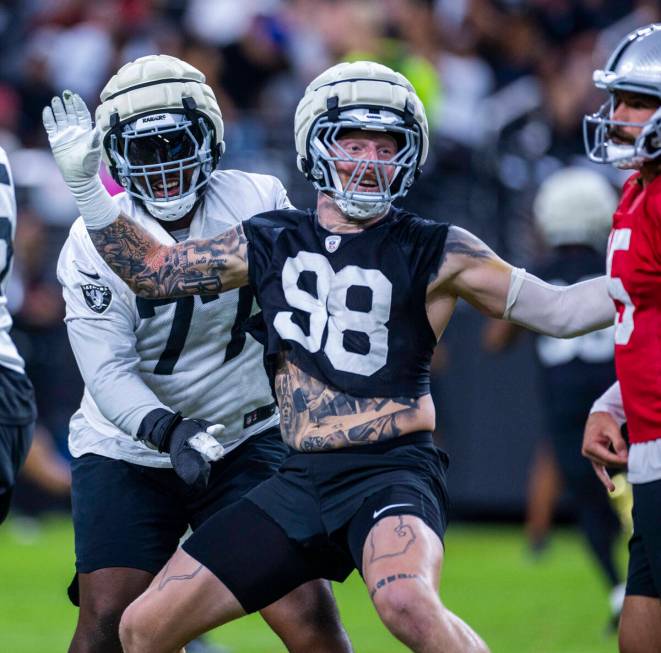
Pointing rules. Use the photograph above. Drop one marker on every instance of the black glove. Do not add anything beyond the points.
(169, 433)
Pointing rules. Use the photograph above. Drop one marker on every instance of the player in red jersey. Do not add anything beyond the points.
(627, 133)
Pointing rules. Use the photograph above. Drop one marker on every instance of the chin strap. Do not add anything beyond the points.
(172, 210)
(361, 210)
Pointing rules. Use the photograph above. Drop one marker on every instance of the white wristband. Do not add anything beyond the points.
(95, 204)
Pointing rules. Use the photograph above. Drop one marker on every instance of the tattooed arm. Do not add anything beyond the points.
(470, 270)
(193, 267)
(148, 267)
(314, 417)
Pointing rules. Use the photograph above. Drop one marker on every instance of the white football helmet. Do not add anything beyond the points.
(635, 67)
(360, 96)
(162, 133)
(574, 206)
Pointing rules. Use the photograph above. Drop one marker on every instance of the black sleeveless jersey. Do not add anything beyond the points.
(349, 308)
(574, 371)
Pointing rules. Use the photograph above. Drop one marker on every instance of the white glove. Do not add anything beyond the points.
(76, 148)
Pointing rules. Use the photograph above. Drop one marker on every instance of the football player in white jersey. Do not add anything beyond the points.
(157, 373)
(17, 407)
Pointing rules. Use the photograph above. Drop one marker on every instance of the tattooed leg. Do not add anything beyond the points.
(384, 547)
(184, 600)
(390, 579)
(166, 577)
(402, 559)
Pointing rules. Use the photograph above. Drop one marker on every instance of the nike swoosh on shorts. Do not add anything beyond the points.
(376, 513)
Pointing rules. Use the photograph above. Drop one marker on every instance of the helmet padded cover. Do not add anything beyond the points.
(575, 206)
(134, 91)
(360, 83)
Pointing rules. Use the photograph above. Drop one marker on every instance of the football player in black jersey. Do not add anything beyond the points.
(354, 296)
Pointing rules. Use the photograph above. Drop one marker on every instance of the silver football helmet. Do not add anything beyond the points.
(363, 96)
(162, 133)
(635, 67)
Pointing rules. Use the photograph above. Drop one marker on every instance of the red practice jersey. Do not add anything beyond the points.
(634, 267)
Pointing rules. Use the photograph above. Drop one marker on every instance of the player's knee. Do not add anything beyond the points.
(134, 633)
(408, 610)
(98, 624)
(320, 606)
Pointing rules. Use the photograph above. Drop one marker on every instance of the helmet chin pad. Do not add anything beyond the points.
(359, 210)
(624, 156)
(171, 210)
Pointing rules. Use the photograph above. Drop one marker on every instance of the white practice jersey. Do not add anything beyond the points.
(8, 355)
(187, 354)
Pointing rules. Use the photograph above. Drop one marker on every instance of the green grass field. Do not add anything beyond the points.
(554, 605)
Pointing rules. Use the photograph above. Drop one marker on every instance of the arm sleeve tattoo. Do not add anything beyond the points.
(462, 242)
(154, 270)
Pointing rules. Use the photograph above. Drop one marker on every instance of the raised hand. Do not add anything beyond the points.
(75, 144)
(76, 148)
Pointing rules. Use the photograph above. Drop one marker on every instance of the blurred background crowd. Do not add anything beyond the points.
(505, 84)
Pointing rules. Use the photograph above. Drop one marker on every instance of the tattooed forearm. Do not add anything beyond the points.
(391, 579)
(314, 416)
(154, 270)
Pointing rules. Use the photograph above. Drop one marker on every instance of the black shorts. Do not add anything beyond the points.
(14, 446)
(128, 515)
(311, 519)
(644, 573)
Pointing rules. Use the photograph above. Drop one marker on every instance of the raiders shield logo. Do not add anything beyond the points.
(332, 243)
(98, 298)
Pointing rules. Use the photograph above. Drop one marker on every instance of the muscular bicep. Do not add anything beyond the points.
(193, 267)
(471, 270)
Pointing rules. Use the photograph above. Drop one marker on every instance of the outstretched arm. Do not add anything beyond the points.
(154, 270)
(471, 270)
(150, 268)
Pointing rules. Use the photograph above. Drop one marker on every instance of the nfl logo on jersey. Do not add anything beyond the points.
(332, 243)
